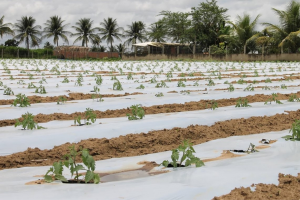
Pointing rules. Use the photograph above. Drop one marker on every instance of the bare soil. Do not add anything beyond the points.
(288, 188)
(156, 109)
(153, 141)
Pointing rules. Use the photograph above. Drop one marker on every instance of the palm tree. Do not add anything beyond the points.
(5, 28)
(28, 32)
(120, 49)
(110, 31)
(244, 29)
(288, 30)
(136, 32)
(263, 38)
(55, 28)
(85, 32)
(156, 32)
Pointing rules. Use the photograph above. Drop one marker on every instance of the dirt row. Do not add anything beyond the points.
(156, 109)
(70, 97)
(288, 188)
(153, 141)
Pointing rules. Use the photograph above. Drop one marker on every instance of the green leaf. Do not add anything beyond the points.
(78, 167)
(61, 178)
(165, 163)
(89, 176)
(57, 168)
(96, 178)
(48, 178)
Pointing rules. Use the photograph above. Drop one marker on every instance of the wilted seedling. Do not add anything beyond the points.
(28, 122)
(187, 156)
(21, 100)
(137, 112)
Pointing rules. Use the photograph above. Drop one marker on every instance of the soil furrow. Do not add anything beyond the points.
(70, 97)
(153, 141)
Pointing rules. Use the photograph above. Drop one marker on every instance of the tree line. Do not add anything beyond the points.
(204, 26)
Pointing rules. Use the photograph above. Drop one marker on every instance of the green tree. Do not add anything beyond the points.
(5, 28)
(28, 32)
(110, 31)
(244, 29)
(56, 29)
(176, 25)
(120, 48)
(47, 45)
(136, 32)
(11, 42)
(208, 23)
(85, 32)
(156, 32)
(288, 30)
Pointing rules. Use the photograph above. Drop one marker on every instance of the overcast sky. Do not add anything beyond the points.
(126, 11)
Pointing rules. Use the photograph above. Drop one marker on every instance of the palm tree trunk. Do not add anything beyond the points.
(111, 48)
(27, 40)
(245, 49)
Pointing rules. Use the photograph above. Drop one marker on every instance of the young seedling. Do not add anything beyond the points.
(242, 103)
(266, 88)
(78, 81)
(249, 88)
(180, 84)
(230, 88)
(295, 132)
(293, 98)
(184, 92)
(213, 104)
(129, 76)
(70, 163)
(61, 100)
(31, 85)
(28, 122)
(90, 116)
(8, 91)
(274, 98)
(241, 81)
(40, 90)
(99, 80)
(137, 112)
(141, 87)
(160, 94)
(211, 82)
(66, 80)
(187, 156)
(21, 100)
(283, 86)
(161, 85)
(268, 80)
(117, 85)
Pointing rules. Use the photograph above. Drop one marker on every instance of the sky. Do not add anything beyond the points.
(126, 11)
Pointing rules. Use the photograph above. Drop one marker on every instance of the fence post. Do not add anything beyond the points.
(47, 53)
(32, 54)
(2, 53)
(18, 53)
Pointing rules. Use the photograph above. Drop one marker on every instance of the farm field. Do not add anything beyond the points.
(220, 107)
